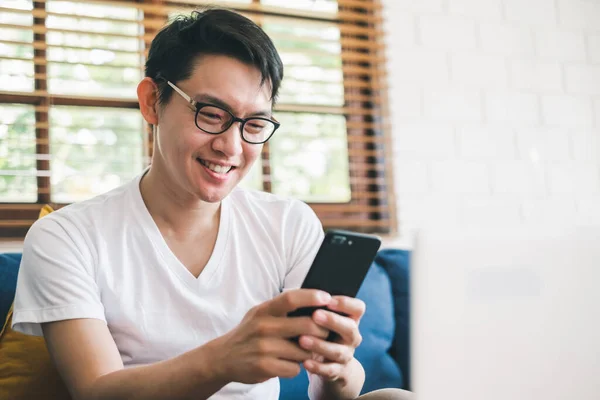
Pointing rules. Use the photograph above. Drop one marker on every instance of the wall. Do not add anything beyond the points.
(495, 107)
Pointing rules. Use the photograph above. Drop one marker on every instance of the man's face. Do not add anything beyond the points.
(209, 166)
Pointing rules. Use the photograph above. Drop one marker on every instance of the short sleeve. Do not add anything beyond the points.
(303, 234)
(56, 278)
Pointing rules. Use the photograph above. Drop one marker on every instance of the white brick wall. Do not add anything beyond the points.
(560, 45)
(495, 107)
(567, 111)
(509, 107)
(480, 9)
(579, 14)
(583, 79)
(594, 48)
(481, 142)
(531, 12)
(447, 33)
(474, 70)
(539, 77)
(505, 39)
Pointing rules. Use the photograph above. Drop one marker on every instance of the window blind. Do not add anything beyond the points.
(70, 127)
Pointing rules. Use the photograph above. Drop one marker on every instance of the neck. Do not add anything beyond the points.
(177, 214)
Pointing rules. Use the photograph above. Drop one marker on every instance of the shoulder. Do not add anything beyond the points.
(78, 222)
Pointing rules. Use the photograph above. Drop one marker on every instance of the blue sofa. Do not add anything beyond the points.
(384, 352)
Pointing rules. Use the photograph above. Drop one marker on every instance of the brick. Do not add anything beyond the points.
(405, 101)
(537, 76)
(481, 71)
(567, 111)
(579, 14)
(460, 177)
(586, 145)
(519, 177)
(594, 48)
(417, 6)
(447, 33)
(574, 177)
(453, 104)
(588, 211)
(512, 107)
(416, 210)
(543, 144)
(560, 45)
(506, 40)
(479, 9)
(486, 143)
(424, 140)
(419, 66)
(583, 79)
(531, 12)
(400, 31)
(482, 211)
(542, 209)
(411, 177)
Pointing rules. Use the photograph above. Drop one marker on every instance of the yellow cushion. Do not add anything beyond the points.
(26, 370)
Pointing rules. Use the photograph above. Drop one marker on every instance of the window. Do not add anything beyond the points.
(70, 128)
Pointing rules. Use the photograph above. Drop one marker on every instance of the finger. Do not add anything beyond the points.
(352, 307)
(332, 352)
(345, 327)
(281, 368)
(329, 371)
(294, 299)
(283, 349)
(283, 327)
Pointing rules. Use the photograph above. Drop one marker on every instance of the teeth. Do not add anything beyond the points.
(219, 169)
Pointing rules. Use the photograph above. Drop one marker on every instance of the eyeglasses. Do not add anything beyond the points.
(215, 120)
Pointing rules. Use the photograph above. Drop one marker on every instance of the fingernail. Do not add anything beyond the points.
(334, 302)
(307, 341)
(324, 296)
(320, 316)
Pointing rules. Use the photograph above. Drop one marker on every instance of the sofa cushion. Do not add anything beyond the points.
(397, 264)
(377, 328)
(9, 267)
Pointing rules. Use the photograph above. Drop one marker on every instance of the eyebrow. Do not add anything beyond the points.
(207, 98)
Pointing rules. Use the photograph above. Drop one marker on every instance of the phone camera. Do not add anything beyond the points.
(338, 240)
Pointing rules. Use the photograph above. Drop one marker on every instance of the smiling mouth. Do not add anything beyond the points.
(217, 169)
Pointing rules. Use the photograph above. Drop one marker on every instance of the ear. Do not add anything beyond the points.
(147, 93)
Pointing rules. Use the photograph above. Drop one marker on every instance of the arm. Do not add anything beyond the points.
(256, 350)
(88, 360)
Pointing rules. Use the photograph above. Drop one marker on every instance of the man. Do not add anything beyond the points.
(170, 287)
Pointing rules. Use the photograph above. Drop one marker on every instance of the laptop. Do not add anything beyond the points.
(506, 314)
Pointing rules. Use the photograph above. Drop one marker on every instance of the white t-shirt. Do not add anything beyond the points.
(105, 258)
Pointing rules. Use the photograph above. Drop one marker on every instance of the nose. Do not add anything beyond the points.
(229, 143)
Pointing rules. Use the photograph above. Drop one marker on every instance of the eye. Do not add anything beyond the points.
(210, 115)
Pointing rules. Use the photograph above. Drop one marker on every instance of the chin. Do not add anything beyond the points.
(212, 196)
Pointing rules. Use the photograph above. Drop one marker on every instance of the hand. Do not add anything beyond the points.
(259, 348)
(330, 359)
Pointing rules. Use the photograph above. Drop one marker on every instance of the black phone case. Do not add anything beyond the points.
(340, 265)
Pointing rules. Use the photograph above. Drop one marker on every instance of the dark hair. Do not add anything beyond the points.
(176, 47)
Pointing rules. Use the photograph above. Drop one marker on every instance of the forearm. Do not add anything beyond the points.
(188, 376)
(346, 387)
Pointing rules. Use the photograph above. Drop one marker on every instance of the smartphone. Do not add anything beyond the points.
(340, 265)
